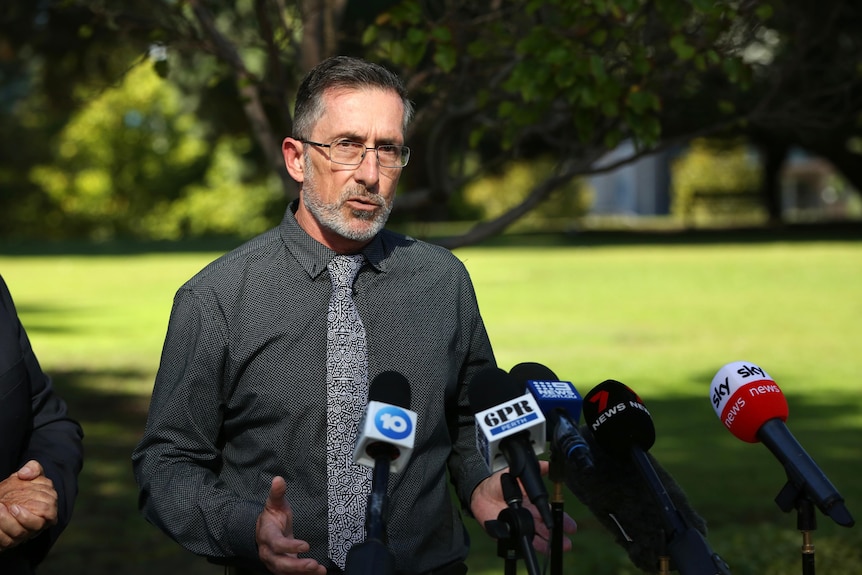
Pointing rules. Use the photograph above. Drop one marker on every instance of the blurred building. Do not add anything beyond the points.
(639, 188)
(811, 187)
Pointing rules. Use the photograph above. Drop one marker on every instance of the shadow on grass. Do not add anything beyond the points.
(730, 483)
(831, 231)
(802, 232)
(107, 535)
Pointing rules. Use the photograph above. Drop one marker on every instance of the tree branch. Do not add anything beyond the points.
(247, 86)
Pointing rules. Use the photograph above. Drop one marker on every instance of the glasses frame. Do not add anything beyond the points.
(405, 151)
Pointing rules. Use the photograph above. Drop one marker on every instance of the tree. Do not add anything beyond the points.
(495, 82)
(565, 80)
(808, 89)
(236, 60)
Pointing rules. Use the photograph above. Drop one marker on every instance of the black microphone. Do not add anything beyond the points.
(561, 404)
(510, 426)
(386, 436)
(644, 515)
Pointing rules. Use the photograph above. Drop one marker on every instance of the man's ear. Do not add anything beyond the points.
(293, 158)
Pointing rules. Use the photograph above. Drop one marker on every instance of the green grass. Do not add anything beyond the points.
(661, 317)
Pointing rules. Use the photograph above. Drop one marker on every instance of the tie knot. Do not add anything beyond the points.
(343, 269)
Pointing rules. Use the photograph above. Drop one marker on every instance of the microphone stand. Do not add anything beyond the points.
(663, 556)
(556, 473)
(792, 496)
(514, 530)
(795, 495)
(372, 557)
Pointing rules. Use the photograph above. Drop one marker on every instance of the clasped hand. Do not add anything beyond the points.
(28, 505)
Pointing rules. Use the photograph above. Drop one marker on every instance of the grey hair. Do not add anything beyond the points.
(342, 72)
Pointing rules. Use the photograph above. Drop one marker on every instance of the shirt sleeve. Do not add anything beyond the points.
(177, 460)
(466, 465)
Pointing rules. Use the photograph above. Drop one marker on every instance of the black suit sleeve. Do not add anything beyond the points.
(36, 421)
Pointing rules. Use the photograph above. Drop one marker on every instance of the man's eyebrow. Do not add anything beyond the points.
(353, 137)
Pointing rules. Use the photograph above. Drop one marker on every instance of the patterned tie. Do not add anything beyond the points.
(346, 395)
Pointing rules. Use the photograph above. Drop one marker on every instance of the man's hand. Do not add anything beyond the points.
(28, 505)
(276, 546)
(487, 502)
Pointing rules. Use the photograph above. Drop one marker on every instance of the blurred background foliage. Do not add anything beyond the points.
(729, 170)
(163, 119)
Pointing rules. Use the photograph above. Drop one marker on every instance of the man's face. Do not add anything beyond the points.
(345, 206)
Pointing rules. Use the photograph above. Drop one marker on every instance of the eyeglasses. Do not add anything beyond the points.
(350, 153)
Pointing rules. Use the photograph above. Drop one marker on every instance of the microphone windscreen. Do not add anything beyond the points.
(617, 418)
(529, 370)
(745, 397)
(492, 386)
(617, 495)
(558, 399)
(390, 387)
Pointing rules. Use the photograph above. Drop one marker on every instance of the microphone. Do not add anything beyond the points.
(386, 436)
(561, 404)
(750, 404)
(622, 502)
(388, 427)
(510, 431)
(620, 425)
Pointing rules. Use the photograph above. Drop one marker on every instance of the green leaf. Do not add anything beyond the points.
(599, 36)
(597, 68)
(680, 45)
(566, 77)
(726, 106)
(612, 139)
(441, 34)
(446, 57)
(610, 108)
(476, 137)
(764, 11)
(417, 36)
(370, 35)
(640, 63)
(506, 109)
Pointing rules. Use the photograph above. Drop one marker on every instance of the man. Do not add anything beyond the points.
(245, 456)
(41, 451)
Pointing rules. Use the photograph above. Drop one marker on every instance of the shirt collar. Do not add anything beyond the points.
(314, 256)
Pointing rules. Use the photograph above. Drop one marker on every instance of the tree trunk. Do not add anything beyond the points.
(774, 155)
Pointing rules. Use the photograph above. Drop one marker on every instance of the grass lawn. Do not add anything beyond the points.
(662, 318)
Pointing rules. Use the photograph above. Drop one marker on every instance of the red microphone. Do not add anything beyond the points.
(750, 404)
(745, 397)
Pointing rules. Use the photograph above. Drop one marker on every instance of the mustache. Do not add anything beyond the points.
(364, 195)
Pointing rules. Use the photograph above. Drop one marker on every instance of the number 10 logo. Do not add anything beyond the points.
(393, 422)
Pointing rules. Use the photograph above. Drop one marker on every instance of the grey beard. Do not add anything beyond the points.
(330, 217)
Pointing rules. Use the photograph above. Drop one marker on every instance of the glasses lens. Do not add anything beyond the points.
(352, 154)
(391, 156)
(346, 152)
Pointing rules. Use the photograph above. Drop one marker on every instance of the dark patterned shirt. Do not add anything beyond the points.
(240, 395)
